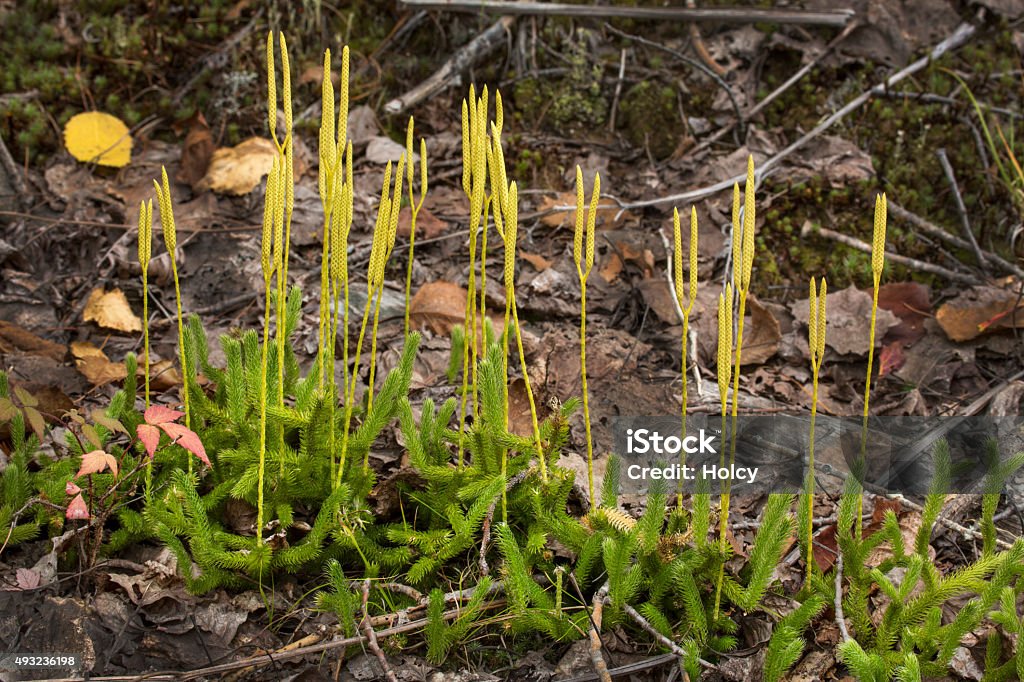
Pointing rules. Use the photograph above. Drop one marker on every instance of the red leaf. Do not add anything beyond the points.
(71, 489)
(158, 414)
(78, 509)
(96, 461)
(28, 578)
(891, 358)
(150, 437)
(187, 439)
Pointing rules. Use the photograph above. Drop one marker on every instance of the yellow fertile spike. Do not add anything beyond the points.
(423, 171)
(271, 88)
(408, 155)
(499, 113)
(269, 206)
(396, 207)
(167, 213)
(748, 224)
(693, 260)
(737, 237)
(145, 234)
(812, 320)
(878, 240)
(724, 357)
(380, 229)
(337, 235)
(343, 102)
(466, 148)
(592, 222)
(501, 185)
(820, 349)
(349, 196)
(328, 145)
(677, 258)
(577, 235)
(286, 85)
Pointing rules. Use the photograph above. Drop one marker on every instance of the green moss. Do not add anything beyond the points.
(650, 118)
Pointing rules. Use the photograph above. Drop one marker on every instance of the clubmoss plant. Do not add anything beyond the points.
(686, 304)
(414, 209)
(163, 193)
(816, 346)
(724, 371)
(145, 252)
(583, 257)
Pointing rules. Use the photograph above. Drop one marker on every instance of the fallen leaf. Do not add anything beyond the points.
(428, 226)
(163, 375)
(825, 548)
(762, 336)
(911, 303)
(612, 267)
(28, 579)
(659, 297)
(110, 310)
(978, 310)
(439, 306)
(15, 339)
(96, 137)
(197, 152)
(891, 359)
(94, 364)
(96, 461)
(239, 170)
(849, 320)
(383, 149)
(540, 263)
(78, 509)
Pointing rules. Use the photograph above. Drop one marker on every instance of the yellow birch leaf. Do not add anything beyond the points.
(110, 309)
(95, 137)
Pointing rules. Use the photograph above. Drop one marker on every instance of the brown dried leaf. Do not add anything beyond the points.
(607, 210)
(849, 321)
(439, 306)
(428, 226)
(197, 151)
(94, 364)
(539, 262)
(978, 310)
(110, 310)
(911, 303)
(15, 339)
(762, 336)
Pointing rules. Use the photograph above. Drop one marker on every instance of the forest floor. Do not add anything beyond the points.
(630, 99)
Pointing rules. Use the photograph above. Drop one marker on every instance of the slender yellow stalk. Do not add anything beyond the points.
(816, 344)
(511, 227)
(271, 218)
(145, 253)
(686, 305)
(391, 230)
(743, 262)
(724, 370)
(583, 256)
(289, 207)
(341, 226)
(877, 265)
(414, 209)
(163, 193)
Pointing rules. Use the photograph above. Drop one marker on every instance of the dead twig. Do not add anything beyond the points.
(947, 168)
(840, 618)
(662, 639)
(700, 48)
(855, 243)
(596, 659)
(939, 233)
(371, 637)
(450, 73)
(957, 39)
(735, 15)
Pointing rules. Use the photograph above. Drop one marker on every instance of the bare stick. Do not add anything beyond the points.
(618, 90)
(936, 231)
(840, 618)
(597, 609)
(736, 15)
(855, 243)
(371, 637)
(947, 168)
(450, 73)
(959, 37)
(665, 641)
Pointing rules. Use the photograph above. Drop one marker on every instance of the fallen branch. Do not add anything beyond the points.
(665, 641)
(913, 263)
(371, 636)
(840, 618)
(450, 73)
(959, 37)
(947, 168)
(596, 611)
(734, 15)
(939, 233)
